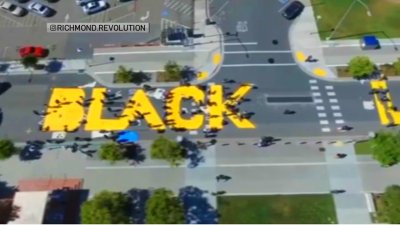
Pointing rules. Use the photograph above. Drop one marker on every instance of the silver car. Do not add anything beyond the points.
(94, 6)
(12, 8)
(40, 9)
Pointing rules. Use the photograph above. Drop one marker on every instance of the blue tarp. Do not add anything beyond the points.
(128, 136)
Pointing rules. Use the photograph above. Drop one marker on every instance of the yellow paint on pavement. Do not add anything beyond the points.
(320, 72)
(64, 111)
(382, 113)
(300, 56)
(217, 58)
(202, 75)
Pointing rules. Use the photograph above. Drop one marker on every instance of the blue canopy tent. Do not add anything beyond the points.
(128, 136)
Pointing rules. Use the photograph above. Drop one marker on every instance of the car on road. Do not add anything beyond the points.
(293, 10)
(40, 9)
(12, 8)
(82, 2)
(94, 6)
(37, 51)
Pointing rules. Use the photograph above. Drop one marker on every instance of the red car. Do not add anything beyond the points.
(33, 50)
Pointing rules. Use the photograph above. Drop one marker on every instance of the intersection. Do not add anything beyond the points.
(258, 55)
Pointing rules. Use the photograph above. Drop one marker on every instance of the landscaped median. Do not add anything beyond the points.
(278, 209)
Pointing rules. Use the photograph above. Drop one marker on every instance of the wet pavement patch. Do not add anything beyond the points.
(290, 99)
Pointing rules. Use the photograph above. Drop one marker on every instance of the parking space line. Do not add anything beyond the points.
(9, 19)
(122, 17)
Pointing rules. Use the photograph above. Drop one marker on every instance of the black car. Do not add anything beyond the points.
(293, 10)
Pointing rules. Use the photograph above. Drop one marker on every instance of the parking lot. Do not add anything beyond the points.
(31, 28)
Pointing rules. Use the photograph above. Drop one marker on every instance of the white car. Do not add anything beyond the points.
(40, 9)
(94, 6)
(12, 8)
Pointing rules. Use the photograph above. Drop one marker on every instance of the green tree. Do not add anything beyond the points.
(361, 67)
(124, 75)
(29, 61)
(171, 151)
(7, 149)
(111, 152)
(389, 205)
(164, 208)
(386, 148)
(173, 72)
(106, 207)
(396, 66)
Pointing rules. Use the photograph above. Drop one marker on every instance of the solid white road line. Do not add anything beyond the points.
(224, 165)
(150, 52)
(335, 107)
(255, 52)
(259, 65)
(355, 45)
(320, 108)
(314, 88)
(324, 122)
(333, 100)
(326, 129)
(243, 43)
(275, 193)
(111, 72)
(321, 114)
(337, 114)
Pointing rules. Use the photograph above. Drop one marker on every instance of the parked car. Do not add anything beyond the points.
(82, 2)
(94, 7)
(33, 50)
(293, 10)
(40, 9)
(12, 8)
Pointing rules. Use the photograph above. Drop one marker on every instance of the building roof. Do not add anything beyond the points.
(31, 207)
(49, 184)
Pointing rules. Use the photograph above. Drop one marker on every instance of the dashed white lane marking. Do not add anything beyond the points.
(318, 100)
(314, 88)
(316, 94)
(335, 107)
(324, 122)
(326, 129)
(337, 114)
(313, 81)
(331, 93)
(321, 114)
(339, 121)
(97, 134)
(328, 87)
(320, 108)
(58, 135)
(193, 132)
(333, 100)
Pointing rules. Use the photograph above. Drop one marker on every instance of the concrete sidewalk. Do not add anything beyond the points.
(205, 56)
(305, 41)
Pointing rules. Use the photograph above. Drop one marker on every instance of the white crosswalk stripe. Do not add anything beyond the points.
(329, 87)
(316, 94)
(320, 108)
(335, 107)
(313, 81)
(326, 129)
(337, 115)
(314, 88)
(321, 114)
(318, 100)
(331, 94)
(324, 122)
(339, 121)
